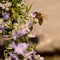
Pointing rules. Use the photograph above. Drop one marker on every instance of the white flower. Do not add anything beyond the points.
(16, 25)
(7, 9)
(18, 5)
(41, 58)
(36, 20)
(3, 7)
(32, 35)
(33, 14)
(38, 57)
(8, 4)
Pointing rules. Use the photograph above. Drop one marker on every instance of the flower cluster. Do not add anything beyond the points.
(16, 24)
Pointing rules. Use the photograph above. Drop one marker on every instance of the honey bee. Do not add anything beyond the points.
(40, 17)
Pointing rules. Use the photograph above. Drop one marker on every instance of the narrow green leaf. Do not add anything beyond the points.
(17, 9)
(28, 8)
(30, 49)
(9, 48)
(4, 32)
(14, 3)
(27, 39)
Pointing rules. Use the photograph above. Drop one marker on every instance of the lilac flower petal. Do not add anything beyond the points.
(5, 16)
(18, 32)
(18, 50)
(25, 31)
(29, 23)
(0, 31)
(34, 14)
(23, 46)
(34, 35)
(14, 35)
(33, 52)
(12, 45)
(13, 57)
(1, 28)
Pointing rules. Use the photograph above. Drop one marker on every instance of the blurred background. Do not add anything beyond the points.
(50, 29)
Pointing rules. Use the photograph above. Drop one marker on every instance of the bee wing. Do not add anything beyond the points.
(44, 16)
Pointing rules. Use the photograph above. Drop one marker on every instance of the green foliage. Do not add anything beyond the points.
(15, 2)
(27, 39)
(20, 57)
(28, 8)
(4, 32)
(0, 0)
(30, 49)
